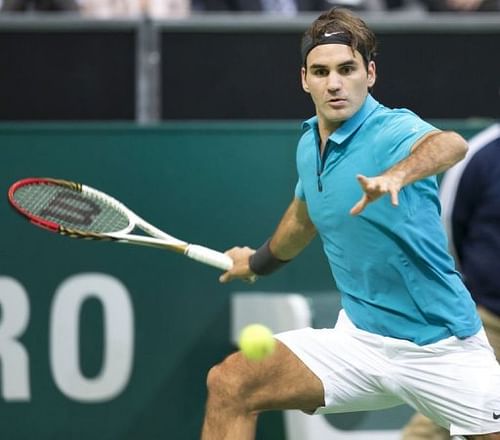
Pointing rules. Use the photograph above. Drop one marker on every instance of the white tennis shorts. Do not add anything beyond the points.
(455, 382)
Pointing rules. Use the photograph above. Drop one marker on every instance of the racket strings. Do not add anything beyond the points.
(71, 209)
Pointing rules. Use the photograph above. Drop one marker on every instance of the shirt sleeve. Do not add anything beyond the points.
(299, 191)
(405, 131)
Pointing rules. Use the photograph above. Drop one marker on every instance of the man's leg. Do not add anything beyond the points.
(422, 428)
(238, 389)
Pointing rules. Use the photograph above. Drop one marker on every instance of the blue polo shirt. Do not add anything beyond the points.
(390, 264)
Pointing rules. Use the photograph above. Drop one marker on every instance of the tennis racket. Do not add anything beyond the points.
(79, 211)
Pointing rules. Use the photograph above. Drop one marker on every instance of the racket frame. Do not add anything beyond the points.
(158, 238)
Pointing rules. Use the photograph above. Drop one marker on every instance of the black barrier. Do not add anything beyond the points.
(234, 67)
(67, 70)
(250, 69)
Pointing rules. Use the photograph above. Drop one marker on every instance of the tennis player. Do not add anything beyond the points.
(409, 331)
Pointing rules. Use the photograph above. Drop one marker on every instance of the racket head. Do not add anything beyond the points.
(69, 208)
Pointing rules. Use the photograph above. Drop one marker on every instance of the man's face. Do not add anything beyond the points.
(338, 82)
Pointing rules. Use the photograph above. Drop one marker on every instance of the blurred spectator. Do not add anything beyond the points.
(470, 196)
(462, 5)
(450, 6)
(286, 7)
(39, 5)
(134, 8)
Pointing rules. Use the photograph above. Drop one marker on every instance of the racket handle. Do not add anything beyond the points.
(209, 256)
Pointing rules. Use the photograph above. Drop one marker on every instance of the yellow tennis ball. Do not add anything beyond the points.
(256, 342)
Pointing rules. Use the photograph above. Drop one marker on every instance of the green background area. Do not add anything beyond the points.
(216, 184)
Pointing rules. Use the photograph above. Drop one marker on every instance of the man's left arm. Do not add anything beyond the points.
(432, 154)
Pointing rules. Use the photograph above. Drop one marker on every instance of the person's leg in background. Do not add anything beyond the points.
(491, 323)
(422, 428)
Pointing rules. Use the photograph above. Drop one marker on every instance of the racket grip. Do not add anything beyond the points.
(209, 256)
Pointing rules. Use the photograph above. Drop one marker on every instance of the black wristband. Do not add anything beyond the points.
(263, 262)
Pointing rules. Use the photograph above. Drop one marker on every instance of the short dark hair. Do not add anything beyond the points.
(349, 29)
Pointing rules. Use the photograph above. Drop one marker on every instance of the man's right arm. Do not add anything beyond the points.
(294, 232)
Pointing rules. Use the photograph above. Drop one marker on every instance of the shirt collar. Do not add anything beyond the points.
(351, 125)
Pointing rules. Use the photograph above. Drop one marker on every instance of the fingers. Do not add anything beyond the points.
(241, 269)
(251, 279)
(359, 206)
(394, 197)
(363, 180)
(373, 188)
(225, 278)
(368, 187)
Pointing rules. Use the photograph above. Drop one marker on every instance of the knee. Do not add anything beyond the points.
(216, 382)
(226, 383)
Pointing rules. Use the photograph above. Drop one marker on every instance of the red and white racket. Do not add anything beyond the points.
(78, 211)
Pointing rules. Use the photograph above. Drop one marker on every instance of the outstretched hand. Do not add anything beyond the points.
(376, 187)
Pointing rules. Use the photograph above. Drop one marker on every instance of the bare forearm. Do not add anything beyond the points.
(433, 155)
(295, 231)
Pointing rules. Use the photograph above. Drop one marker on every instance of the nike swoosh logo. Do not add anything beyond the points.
(496, 416)
(329, 34)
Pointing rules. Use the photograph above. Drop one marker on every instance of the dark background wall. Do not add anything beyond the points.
(237, 67)
(256, 75)
(64, 73)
